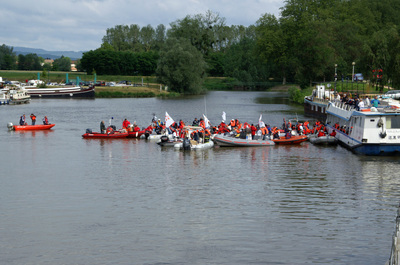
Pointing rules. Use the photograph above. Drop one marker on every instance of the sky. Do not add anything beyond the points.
(80, 25)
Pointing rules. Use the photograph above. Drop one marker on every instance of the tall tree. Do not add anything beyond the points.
(181, 67)
(7, 58)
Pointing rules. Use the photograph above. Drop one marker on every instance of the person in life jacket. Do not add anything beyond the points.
(110, 130)
(333, 133)
(233, 124)
(321, 133)
(202, 123)
(45, 120)
(22, 120)
(181, 124)
(253, 131)
(125, 124)
(33, 118)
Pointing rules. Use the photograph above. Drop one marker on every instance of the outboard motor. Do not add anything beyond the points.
(10, 126)
(186, 144)
(88, 130)
(147, 134)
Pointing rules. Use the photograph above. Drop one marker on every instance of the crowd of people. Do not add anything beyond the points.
(203, 128)
(359, 102)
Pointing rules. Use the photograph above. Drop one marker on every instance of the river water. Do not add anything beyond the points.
(67, 200)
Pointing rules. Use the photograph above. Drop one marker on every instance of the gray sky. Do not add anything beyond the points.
(79, 25)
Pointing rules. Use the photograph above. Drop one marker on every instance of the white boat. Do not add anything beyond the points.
(194, 141)
(67, 91)
(372, 131)
(18, 95)
(4, 97)
(315, 105)
(322, 140)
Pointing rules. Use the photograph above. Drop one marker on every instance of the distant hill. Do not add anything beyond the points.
(48, 54)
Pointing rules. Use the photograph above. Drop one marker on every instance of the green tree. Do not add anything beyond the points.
(29, 62)
(7, 58)
(147, 36)
(62, 64)
(181, 67)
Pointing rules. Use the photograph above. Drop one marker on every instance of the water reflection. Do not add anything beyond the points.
(134, 200)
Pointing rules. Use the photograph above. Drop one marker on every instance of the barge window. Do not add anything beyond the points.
(393, 122)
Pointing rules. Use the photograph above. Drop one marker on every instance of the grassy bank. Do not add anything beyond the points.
(131, 92)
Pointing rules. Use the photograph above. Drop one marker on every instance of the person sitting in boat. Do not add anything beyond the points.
(195, 122)
(102, 127)
(181, 124)
(333, 133)
(45, 120)
(125, 124)
(288, 134)
(110, 130)
(321, 133)
(22, 120)
(33, 118)
(135, 128)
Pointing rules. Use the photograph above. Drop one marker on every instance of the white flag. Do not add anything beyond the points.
(206, 121)
(168, 120)
(223, 116)
(260, 121)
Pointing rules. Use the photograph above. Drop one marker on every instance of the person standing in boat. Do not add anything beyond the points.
(33, 118)
(375, 102)
(102, 127)
(45, 120)
(125, 124)
(22, 120)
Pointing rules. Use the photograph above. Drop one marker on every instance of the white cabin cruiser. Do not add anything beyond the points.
(369, 131)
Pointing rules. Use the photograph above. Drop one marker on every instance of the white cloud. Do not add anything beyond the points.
(77, 25)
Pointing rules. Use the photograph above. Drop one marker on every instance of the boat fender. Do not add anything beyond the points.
(88, 130)
(380, 122)
(382, 134)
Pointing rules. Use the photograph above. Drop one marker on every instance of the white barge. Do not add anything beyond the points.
(370, 131)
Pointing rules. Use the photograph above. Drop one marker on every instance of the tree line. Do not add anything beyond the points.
(10, 61)
(309, 42)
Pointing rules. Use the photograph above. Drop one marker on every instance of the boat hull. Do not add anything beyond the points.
(227, 141)
(33, 127)
(96, 135)
(61, 92)
(295, 139)
(315, 109)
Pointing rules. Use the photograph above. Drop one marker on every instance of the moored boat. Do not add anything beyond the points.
(19, 96)
(61, 92)
(372, 131)
(98, 135)
(30, 127)
(294, 139)
(323, 140)
(223, 140)
(315, 105)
